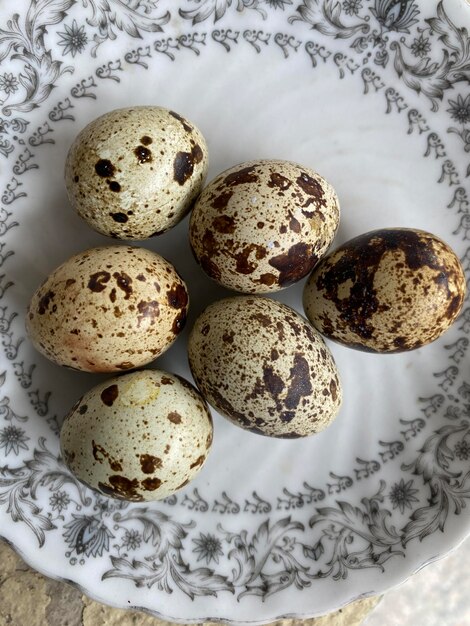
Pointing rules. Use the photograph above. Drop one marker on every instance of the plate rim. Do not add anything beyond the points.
(286, 44)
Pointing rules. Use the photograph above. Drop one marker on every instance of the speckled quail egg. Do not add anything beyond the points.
(263, 225)
(140, 436)
(108, 309)
(262, 365)
(387, 290)
(134, 173)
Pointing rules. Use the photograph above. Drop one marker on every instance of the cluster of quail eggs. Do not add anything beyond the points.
(257, 228)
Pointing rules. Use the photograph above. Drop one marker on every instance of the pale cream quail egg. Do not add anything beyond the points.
(108, 309)
(134, 173)
(139, 436)
(262, 365)
(388, 290)
(263, 225)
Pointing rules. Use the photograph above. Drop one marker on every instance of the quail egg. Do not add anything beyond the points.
(108, 309)
(134, 173)
(139, 436)
(388, 290)
(263, 225)
(262, 365)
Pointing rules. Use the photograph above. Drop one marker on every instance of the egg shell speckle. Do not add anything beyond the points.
(388, 290)
(263, 225)
(134, 173)
(108, 309)
(262, 365)
(140, 436)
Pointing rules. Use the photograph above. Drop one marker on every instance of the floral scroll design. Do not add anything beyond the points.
(19, 487)
(459, 109)
(156, 550)
(357, 537)
(430, 76)
(152, 549)
(216, 9)
(165, 567)
(73, 39)
(253, 557)
(431, 58)
(23, 41)
(430, 55)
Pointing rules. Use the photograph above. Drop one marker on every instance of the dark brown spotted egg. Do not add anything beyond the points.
(388, 290)
(263, 225)
(140, 436)
(134, 173)
(108, 309)
(262, 365)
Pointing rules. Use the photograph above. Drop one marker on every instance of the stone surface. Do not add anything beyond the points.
(31, 589)
(95, 614)
(352, 615)
(46, 602)
(66, 604)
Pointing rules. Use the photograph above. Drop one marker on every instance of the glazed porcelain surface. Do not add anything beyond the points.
(372, 94)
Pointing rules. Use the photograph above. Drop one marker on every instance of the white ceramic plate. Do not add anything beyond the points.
(375, 96)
